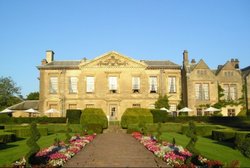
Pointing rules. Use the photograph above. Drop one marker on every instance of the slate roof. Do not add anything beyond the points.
(60, 64)
(25, 105)
(161, 64)
(246, 71)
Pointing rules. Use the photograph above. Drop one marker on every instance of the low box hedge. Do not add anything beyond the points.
(25, 132)
(6, 137)
(159, 115)
(202, 130)
(224, 135)
(136, 116)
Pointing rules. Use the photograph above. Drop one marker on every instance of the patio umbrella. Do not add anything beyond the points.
(31, 110)
(185, 109)
(165, 109)
(6, 111)
(51, 111)
(211, 109)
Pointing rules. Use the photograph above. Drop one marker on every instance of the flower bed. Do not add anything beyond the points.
(57, 154)
(174, 155)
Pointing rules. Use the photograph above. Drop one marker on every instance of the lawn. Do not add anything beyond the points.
(15, 150)
(210, 148)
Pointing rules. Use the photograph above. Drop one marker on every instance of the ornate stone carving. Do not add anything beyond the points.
(112, 61)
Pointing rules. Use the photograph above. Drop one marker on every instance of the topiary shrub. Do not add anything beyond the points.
(158, 135)
(93, 116)
(73, 116)
(7, 137)
(133, 128)
(159, 115)
(95, 128)
(31, 142)
(67, 135)
(136, 116)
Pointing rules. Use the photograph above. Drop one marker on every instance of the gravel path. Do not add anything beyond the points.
(115, 150)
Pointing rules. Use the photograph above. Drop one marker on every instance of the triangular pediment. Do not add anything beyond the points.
(201, 65)
(112, 60)
(227, 66)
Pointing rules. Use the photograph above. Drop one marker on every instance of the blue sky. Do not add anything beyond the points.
(214, 30)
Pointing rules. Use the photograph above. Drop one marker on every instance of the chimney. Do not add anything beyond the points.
(49, 56)
(44, 62)
(193, 61)
(185, 57)
(235, 63)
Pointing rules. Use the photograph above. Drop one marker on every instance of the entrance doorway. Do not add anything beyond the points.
(113, 112)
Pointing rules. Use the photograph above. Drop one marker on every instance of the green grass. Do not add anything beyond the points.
(210, 148)
(16, 150)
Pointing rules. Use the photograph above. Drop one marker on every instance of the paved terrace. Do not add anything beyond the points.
(115, 149)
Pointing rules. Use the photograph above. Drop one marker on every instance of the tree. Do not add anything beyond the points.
(8, 92)
(33, 96)
(162, 102)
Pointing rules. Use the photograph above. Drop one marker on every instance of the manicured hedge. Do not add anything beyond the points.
(25, 132)
(136, 116)
(159, 115)
(73, 116)
(95, 128)
(6, 137)
(223, 135)
(94, 116)
(202, 130)
(133, 128)
(20, 120)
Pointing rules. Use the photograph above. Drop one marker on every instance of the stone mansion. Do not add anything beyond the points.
(115, 82)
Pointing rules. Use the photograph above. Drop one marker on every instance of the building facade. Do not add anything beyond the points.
(200, 85)
(112, 81)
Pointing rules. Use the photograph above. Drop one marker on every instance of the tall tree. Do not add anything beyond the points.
(33, 96)
(8, 92)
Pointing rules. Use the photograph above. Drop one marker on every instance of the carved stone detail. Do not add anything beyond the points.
(112, 61)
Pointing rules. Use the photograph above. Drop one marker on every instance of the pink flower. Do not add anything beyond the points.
(57, 155)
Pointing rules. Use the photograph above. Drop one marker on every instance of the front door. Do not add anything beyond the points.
(113, 112)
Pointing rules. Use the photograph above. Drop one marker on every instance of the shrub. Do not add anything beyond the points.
(2, 127)
(171, 127)
(133, 128)
(68, 130)
(95, 128)
(191, 133)
(73, 116)
(159, 115)
(31, 142)
(5, 118)
(183, 114)
(245, 147)
(136, 116)
(21, 120)
(201, 130)
(26, 132)
(240, 137)
(94, 116)
(7, 137)
(223, 135)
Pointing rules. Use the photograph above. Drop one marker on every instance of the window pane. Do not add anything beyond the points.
(197, 91)
(171, 84)
(205, 91)
(90, 84)
(226, 91)
(135, 83)
(112, 83)
(73, 84)
(232, 92)
(153, 84)
(53, 85)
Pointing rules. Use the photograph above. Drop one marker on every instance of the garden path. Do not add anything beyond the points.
(115, 149)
